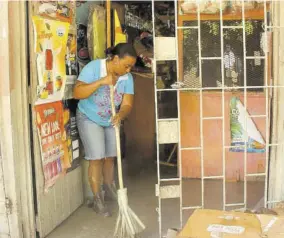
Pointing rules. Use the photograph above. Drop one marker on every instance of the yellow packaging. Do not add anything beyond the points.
(97, 32)
(119, 37)
(50, 45)
(71, 67)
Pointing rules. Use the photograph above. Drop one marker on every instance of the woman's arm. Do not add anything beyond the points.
(125, 109)
(84, 90)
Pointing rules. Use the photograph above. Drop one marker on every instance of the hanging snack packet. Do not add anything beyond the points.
(243, 130)
(71, 66)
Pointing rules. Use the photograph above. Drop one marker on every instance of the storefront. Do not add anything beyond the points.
(221, 58)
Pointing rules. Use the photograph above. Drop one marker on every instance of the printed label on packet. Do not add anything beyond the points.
(237, 230)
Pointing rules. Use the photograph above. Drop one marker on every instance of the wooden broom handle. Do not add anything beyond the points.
(117, 137)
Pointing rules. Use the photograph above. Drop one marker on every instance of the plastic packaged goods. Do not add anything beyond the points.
(70, 61)
(55, 10)
(96, 32)
(205, 7)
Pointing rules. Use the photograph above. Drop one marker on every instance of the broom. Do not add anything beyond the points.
(128, 224)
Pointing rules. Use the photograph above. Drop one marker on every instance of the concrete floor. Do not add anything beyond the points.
(84, 223)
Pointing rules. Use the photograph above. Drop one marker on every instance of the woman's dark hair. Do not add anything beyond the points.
(121, 50)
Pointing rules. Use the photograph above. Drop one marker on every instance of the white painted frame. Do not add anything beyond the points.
(276, 171)
(14, 120)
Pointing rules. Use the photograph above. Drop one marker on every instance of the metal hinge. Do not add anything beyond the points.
(29, 94)
(37, 222)
(157, 190)
(8, 205)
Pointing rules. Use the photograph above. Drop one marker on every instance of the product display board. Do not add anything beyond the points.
(55, 48)
(50, 45)
(53, 141)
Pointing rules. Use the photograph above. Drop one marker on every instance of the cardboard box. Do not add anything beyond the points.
(279, 209)
(221, 224)
(272, 226)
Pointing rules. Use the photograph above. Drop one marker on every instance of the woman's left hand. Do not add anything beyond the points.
(116, 120)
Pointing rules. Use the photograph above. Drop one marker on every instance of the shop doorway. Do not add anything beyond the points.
(183, 143)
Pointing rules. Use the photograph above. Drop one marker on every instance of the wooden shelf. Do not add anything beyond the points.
(250, 14)
(144, 75)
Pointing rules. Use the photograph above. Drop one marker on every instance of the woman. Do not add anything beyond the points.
(94, 117)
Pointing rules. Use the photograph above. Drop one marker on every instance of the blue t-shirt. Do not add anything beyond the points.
(97, 107)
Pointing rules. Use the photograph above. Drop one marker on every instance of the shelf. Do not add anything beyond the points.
(249, 14)
(144, 75)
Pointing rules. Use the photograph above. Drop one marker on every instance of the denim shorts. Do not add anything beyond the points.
(99, 142)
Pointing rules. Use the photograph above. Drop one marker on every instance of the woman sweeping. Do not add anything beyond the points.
(94, 120)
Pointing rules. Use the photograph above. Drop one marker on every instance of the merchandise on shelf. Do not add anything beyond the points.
(55, 10)
(83, 56)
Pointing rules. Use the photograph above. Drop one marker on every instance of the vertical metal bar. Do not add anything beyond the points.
(245, 102)
(201, 107)
(156, 118)
(223, 107)
(267, 106)
(178, 107)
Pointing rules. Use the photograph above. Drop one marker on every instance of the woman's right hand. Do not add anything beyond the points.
(109, 80)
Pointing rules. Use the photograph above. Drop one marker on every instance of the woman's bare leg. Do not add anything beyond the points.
(95, 175)
(108, 171)
(109, 184)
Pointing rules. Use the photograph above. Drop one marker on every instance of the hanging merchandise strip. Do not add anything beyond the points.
(72, 134)
(70, 61)
(50, 45)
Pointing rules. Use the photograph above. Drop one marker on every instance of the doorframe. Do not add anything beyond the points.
(14, 119)
(48, 212)
(276, 163)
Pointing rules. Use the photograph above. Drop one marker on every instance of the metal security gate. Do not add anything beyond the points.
(225, 85)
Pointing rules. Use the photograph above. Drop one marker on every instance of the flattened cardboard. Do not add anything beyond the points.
(221, 224)
(272, 226)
